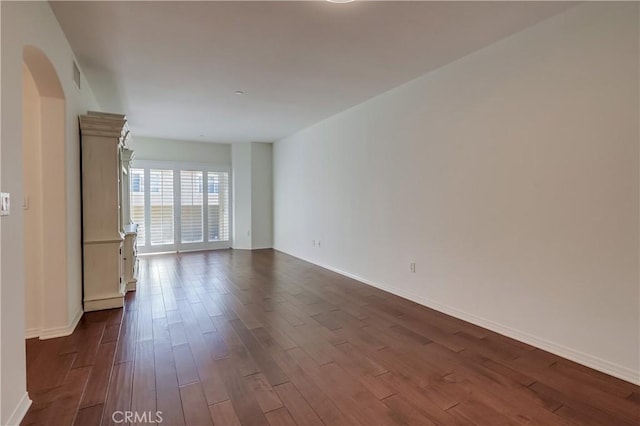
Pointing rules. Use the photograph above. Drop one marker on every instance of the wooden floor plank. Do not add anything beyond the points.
(479, 414)
(223, 413)
(194, 405)
(244, 401)
(167, 389)
(65, 403)
(89, 348)
(96, 390)
(89, 416)
(111, 333)
(143, 391)
(267, 399)
(119, 394)
(185, 366)
(309, 389)
(297, 406)
(281, 417)
(405, 413)
(267, 366)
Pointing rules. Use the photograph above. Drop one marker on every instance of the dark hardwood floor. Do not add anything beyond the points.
(256, 338)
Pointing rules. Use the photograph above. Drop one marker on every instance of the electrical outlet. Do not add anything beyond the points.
(412, 267)
(319, 245)
(313, 243)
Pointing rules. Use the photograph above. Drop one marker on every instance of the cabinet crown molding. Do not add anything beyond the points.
(104, 124)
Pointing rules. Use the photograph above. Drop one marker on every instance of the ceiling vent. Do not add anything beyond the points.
(76, 74)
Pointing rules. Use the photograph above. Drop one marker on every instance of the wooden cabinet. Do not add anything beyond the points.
(104, 237)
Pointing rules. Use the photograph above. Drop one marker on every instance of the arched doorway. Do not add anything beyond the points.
(45, 195)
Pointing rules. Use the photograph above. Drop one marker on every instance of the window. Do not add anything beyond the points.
(191, 207)
(138, 203)
(154, 186)
(161, 206)
(218, 206)
(137, 181)
(180, 206)
(199, 182)
(214, 183)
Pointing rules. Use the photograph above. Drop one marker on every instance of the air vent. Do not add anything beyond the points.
(76, 74)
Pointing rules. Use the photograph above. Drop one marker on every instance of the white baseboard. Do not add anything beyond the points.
(52, 333)
(31, 333)
(607, 367)
(106, 303)
(252, 248)
(580, 357)
(19, 412)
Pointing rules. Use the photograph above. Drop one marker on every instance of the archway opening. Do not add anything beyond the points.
(45, 195)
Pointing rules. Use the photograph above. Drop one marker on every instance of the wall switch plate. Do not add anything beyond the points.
(412, 267)
(5, 204)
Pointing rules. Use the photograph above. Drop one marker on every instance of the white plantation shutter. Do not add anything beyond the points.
(191, 206)
(180, 206)
(218, 206)
(161, 206)
(137, 203)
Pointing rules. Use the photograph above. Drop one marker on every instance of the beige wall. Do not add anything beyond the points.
(509, 176)
(44, 163)
(60, 288)
(33, 215)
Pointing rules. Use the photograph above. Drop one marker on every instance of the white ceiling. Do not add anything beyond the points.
(174, 67)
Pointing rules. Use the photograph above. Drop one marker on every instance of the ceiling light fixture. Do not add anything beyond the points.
(340, 1)
(239, 92)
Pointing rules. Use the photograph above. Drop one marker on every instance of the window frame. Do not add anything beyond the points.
(177, 166)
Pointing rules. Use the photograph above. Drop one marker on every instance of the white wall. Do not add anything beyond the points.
(32, 23)
(241, 195)
(252, 195)
(509, 176)
(261, 195)
(181, 151)
(1, 237)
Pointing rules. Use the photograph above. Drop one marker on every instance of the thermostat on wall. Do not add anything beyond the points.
(5, 204)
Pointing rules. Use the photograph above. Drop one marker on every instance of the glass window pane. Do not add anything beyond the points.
(137, 203)
(191, 206)
(161, 206)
